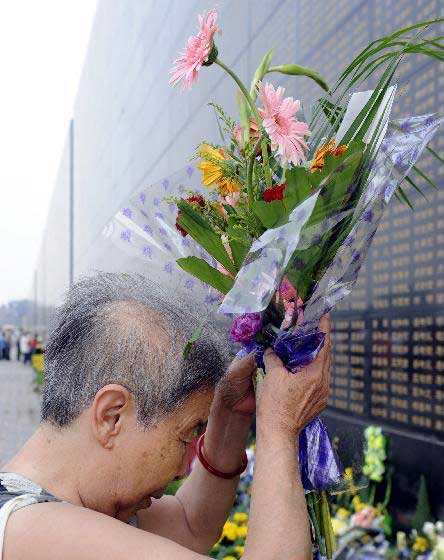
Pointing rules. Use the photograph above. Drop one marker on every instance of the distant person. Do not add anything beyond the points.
(2, 345)
(25, 348)
(8, 346)
(32, 343)
(17, 345)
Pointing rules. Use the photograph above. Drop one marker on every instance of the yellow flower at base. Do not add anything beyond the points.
(230, 531)
(240, 517)
(242, 532)
(348, 474)
(229, 558)
(421, 545)
(339, 526)
(358, 505)
(212, 172)
(342, 513)
(239, 550)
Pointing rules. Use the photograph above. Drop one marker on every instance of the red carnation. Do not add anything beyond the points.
(195, 198)
(276, 193)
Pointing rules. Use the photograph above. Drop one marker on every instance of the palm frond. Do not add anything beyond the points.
(384, 55)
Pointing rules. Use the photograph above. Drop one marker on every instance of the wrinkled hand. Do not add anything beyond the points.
(289, 401)
(235, 391)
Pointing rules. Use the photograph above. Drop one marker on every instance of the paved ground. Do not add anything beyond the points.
(19, 407)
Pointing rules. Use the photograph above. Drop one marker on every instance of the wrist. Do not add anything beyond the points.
(226, 437)
(277, 429)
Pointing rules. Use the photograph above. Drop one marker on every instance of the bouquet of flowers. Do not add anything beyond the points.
(279, 231)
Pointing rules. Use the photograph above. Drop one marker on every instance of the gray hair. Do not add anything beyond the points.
(120, 328)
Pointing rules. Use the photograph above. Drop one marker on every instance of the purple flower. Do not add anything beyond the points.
(142, 197)
(190, 171)
(165, 183)
(127, 212)
(245, 327)
(147, 229)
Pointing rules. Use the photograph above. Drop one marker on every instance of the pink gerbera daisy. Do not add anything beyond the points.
(197, 52)
(285, 131)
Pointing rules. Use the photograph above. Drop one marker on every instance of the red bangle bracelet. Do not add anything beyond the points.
(214, 471)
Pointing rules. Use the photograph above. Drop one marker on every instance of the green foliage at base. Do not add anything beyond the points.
(423, 512)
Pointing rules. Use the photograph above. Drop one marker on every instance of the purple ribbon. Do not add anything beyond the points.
(318, 462)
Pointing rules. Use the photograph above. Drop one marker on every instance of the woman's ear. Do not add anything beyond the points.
(109, 404)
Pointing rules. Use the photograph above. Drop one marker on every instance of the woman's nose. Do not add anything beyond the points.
(183, 471)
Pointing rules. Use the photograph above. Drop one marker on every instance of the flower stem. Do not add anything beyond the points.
(250, 168)
(259, 123)
(284, 171)
(266, 164)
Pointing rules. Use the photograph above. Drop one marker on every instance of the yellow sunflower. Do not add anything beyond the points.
(212, 173)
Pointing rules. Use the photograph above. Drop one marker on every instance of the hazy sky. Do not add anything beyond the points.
(42, 48)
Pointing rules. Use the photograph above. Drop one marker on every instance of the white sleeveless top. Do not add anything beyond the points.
(17, 492)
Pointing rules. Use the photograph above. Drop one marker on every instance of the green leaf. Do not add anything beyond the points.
(193, 339)
(340, 179)
(425, 177)
(202, 232)
(385, 53)
(239, 251)
(297, 70)
(187, 209)
(201, 270)
(334, 113)
(400, 192)
(260, 72)
(239, 240)
(244, 115)
(269, 213)
(415, 186)
(435, 154)
(229, 209)
(298, 187)
(302, 275)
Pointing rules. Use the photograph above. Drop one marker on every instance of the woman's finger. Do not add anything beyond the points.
(243, 367)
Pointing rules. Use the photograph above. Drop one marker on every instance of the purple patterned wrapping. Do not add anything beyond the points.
(319, 465)
(295, 350)
(318, 462)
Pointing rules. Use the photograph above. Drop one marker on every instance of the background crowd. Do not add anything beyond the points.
(19, 344)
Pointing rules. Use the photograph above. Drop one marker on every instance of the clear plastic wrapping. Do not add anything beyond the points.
(146, 228)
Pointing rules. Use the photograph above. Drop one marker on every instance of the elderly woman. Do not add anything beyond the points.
(120, 407)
